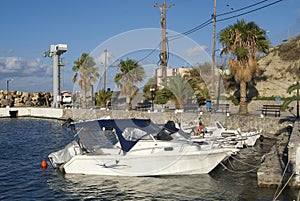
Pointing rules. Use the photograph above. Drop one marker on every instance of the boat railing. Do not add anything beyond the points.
(152, 137)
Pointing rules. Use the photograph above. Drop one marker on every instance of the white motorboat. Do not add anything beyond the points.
(228, 136)
(134, 147)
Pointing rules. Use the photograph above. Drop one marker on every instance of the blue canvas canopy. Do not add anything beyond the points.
(119, 125)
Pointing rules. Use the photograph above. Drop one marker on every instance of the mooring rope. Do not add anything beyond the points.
(285, 169)
(231, 165)
(245, 162)
(239, 172)
(284, 185)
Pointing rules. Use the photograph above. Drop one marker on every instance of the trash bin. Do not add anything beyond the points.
(208, 106)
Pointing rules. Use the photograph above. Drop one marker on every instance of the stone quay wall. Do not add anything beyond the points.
(270, 125)
(294, 155)
(25, 99)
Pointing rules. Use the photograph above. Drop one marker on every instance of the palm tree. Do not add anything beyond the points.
(294, 87)
(162, 96)
(102, 96)
(243, 42)
(131, 73)
(181, 89)
(88, 73)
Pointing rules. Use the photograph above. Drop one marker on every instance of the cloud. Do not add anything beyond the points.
(19, 67)
(31, 84)
(4, 51)
(195, 51)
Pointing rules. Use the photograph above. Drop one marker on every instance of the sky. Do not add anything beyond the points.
(127, 29)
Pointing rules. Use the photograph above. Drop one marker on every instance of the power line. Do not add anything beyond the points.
(194, 29)
(209, 21)
(201, 26)
(251, 11)
(206, 23)
(243, 8)
(148, 55)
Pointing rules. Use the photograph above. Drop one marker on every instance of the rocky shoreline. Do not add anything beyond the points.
(25, 99)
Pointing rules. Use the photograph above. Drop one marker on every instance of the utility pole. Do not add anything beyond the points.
(163, 24)
(213, 51)
(104, 75)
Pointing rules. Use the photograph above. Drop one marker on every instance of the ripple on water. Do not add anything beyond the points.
(25, 142)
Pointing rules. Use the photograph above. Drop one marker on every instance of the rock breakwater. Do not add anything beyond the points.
(25, 99)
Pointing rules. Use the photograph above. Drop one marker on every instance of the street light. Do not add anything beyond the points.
(7, 84)
(297, 83)
(152, 90)
(222, 71)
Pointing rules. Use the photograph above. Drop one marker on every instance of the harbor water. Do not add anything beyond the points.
(25, 142)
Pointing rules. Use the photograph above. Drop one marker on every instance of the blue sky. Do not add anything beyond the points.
(29, 27)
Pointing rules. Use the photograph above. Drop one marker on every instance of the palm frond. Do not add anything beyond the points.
(293, 87)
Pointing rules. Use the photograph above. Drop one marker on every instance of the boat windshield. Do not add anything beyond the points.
(135, 134)
(219, 125)
(93, 140)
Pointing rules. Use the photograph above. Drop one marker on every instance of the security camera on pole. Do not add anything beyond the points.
(54, 53)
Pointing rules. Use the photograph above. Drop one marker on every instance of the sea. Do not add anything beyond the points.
(25, 142)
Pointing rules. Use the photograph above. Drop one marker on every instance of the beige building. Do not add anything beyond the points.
(170, 72)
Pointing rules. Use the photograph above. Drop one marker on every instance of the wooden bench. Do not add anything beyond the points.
(267, 109)
(143, 106)
(222, 108)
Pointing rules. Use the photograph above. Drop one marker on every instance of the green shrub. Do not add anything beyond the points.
(234, 100)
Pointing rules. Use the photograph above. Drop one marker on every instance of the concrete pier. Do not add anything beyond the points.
(281, 166)
(39, 112)
(273, 165)
(294, 156)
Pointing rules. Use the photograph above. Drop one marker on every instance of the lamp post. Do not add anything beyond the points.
(297, 83)
(222, 72)
(7, 85)
(92, 94)
(152, 90)
(77, 99)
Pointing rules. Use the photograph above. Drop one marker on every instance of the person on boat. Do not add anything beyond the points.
(199, 128)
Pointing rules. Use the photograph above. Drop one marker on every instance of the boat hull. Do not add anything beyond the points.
(252, 138)
(201, 162)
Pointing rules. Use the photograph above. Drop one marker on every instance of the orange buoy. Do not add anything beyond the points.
(44, 164)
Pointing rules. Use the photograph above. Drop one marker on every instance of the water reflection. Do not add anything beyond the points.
(25, 142)
(221, 184)
(131, 188)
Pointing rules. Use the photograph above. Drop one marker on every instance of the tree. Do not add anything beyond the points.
(243, 42)
(194, 78)
(131, 73)
(181, 89)
(162, 96)
(146, 89)
(88, 73)
(294, 87)
(102, 97)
